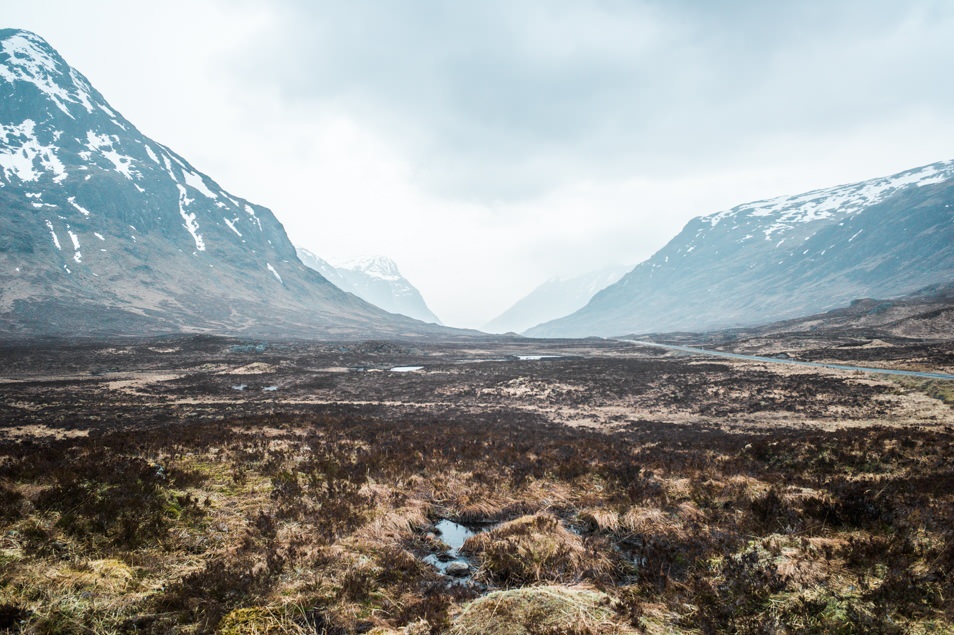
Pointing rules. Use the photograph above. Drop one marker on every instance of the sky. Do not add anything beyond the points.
(487, 146)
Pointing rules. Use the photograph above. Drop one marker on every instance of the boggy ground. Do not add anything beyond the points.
(200, 484)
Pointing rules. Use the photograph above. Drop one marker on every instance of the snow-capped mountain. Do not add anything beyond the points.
(103, 230)
(554, 298)
(785, 257)
(375, 279)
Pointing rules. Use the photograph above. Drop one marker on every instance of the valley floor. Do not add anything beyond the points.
(200, 484)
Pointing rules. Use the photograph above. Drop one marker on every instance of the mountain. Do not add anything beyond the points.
(554, 298)
(375, 279)
(326, 269)
(783, 258)
(105, 231)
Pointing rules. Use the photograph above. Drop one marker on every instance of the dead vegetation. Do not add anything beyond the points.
(263, 516)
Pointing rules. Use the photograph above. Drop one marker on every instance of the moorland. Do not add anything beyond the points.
(198, 484)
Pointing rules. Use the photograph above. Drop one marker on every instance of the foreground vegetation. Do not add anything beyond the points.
(318, 522)
(206, 485)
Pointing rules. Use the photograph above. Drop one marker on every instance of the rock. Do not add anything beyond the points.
(457, 569)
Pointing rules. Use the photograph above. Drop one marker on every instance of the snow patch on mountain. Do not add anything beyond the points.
(190, 218)
(82, 210)
(103, 145)
(231, 224)
(56, 241)
(20, 149)
(195, 181)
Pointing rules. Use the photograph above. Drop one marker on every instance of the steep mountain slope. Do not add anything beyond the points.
(105, 231)
(785, 257)
(554, 298)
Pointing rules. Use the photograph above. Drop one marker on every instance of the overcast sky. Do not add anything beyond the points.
(489, 145)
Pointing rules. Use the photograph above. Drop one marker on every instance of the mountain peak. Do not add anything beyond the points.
(380, 267)
(25, 57)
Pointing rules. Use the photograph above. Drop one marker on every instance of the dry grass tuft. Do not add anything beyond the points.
(550, 610)
(534, 549)
(604, 520)
(645, 520)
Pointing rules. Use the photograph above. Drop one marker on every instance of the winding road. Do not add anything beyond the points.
(794, 362)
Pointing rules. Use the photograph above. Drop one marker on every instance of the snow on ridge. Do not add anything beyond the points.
(841, 200)
(251, 212)
(20, 149)
(196, 181)
(28, 60)
(189, 218)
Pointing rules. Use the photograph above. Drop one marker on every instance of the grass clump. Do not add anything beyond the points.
(534, 549)
(540, 610)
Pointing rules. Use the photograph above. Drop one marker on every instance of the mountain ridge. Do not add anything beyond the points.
(784, 257)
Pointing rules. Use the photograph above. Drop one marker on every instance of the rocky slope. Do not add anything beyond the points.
(786, 257)
(104, 231)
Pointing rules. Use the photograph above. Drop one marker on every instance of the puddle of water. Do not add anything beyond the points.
(239, 387)
(406, 369)
(453, 535)
(535, 358)
(270, 388)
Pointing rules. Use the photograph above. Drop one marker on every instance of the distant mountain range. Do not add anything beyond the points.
(105, 231)
(375, 279)
(783, 258)
(554, 298)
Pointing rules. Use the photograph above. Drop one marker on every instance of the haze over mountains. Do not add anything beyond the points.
(375, 279)
(554, 298)
(785, 257)
(105, 231)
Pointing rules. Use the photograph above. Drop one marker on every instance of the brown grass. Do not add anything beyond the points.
(540, 610)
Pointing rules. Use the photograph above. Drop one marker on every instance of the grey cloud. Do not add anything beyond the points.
(504, 99)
